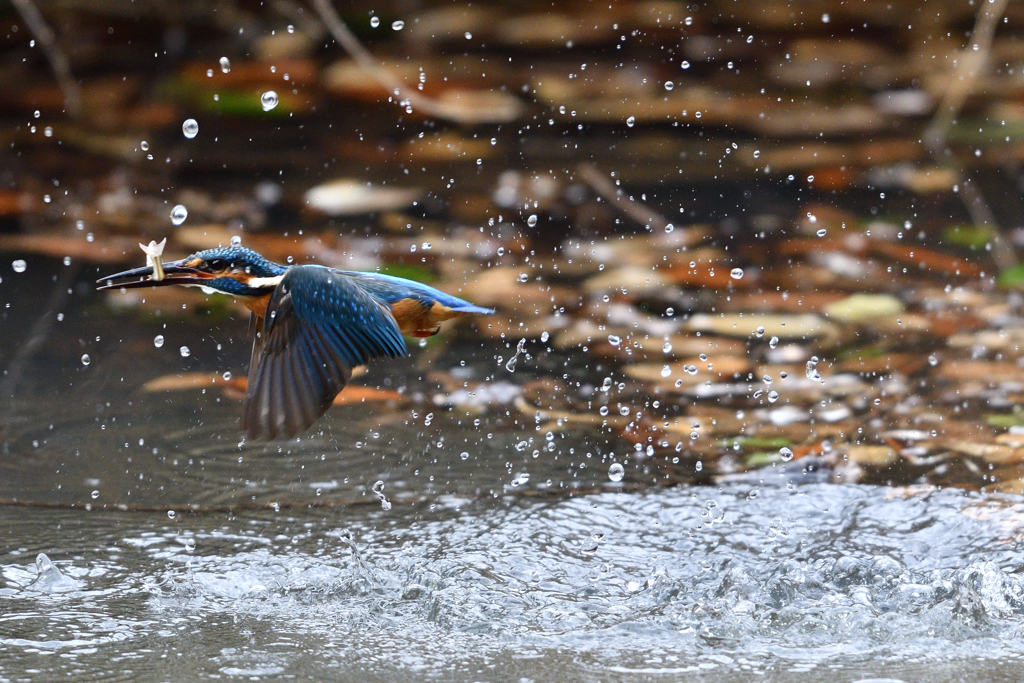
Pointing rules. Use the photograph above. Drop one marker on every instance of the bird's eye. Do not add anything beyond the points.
(217, 264)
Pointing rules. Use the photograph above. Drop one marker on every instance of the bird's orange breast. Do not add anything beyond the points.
(417, 318)
(257, 304)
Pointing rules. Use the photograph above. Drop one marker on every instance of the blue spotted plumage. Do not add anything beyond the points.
(317, 324)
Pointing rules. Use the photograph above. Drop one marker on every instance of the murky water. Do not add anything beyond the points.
(255, 561)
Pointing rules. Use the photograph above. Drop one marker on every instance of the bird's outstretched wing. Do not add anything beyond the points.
(318, 326)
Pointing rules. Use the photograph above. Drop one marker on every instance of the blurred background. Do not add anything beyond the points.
(749, 259)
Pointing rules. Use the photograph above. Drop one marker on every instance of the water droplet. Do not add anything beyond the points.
(190, 128)
(190, 545)
(268, 100)
(666, 371)
(786, 454)
(144, 145)
(631, 121)
(178, 214)
(374, 22)
(86, 359)
(464, 455)
(378, 490)
(171, 514)
(158, 341)
(759, 332)
(226, 375)
(95, 495)
(669, 85)
(821, 232)
(19, 266)
(773, 396)
(812, 369)
(773, 342)
(236, 241)
(523, 277)
(685, 64)
(184, 351)
(614, 340)
(520, 349)
(397, 25)
(520, 479)
(616, 472)
(667, 348)
(544, 336)
(532, 220)
(736, 274)
(933, 360)
(225, 65)
(603, 411)
(624, 411)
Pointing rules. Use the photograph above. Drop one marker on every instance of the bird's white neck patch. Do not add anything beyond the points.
(261, 282)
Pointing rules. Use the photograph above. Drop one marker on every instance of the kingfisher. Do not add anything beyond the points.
(313, 325)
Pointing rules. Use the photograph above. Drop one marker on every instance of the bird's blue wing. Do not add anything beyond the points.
(318, 326)
(391, 289)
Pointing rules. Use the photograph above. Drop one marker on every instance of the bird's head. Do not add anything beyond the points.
(231, 270)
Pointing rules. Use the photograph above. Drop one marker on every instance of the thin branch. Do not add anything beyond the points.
(38, 334)
(638, 211)
(499, 109)
(54, 54)
(969, 65)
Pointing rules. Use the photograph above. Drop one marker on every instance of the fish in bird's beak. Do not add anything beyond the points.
(175, 273)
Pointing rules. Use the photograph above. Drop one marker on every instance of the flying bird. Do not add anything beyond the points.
(313, 325)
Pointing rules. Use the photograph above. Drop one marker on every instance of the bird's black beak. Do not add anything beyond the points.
(175, 273)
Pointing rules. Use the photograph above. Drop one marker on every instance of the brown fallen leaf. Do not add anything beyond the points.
(234, 387)
(14, 203)
(872, 456)
(995, 453)
(251, 73)
(185, 380)
(714, 276)
(926, 259)
(724, 368)
(985, 371)
(357, 394)
(905, 363)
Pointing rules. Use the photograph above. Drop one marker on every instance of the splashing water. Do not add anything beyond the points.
(378, 490)
(520, 350)
(811, 370)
